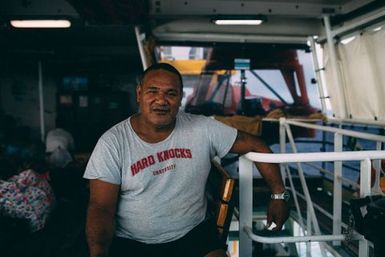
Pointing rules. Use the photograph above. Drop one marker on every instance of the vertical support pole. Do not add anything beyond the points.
(309, 202)
(245, 205)
(334, 67)
(317, 73)
(243, 91)
(41, 101)
(308, 230)
(365, 176)
(139, 40)
(282, 145)
(377, 166)
(337, 189)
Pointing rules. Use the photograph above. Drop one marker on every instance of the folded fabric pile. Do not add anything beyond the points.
(29, 196)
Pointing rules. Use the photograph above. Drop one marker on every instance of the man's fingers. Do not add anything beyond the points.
(278, 227)
(269, 220)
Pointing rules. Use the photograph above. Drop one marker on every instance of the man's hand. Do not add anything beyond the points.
(277, 212)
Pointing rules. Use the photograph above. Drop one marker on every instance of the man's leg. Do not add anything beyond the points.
(217, 253)
(202, 241)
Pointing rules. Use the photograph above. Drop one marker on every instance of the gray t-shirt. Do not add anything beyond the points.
(162, 184)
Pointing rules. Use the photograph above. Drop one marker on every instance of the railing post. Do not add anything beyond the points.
(245, 205)
(340, 100)
(377, 167)
(365, 190)
(308, 230)
(282, 144)
(365, 177)
(318, 74)
(337, 189)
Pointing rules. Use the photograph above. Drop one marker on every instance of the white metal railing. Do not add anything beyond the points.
(337, 185)
(246, 192)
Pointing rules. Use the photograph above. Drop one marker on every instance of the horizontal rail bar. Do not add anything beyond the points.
(345, 132)
(356, 122)
(325, 171)
(314, 157)
(321, 210)
(291, 239)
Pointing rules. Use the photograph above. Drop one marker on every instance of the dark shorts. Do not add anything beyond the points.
(197, 243)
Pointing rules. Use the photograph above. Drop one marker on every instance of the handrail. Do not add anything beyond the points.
(365, 171)
(315, 157)
(345, 132)
(245, 186)
(291, 239)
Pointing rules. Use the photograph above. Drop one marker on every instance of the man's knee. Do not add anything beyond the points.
(217, 253)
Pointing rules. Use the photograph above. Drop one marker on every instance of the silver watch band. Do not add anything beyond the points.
(285, 195)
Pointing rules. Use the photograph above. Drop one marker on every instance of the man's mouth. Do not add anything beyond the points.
(161, 110)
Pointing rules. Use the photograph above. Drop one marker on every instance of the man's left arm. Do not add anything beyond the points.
(278, 210)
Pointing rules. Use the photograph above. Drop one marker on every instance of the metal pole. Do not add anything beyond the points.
(318, 74)
(377, 166)
(139, 40)
(345, 132)
(245, 205)
(268, 86)
(284, 166)
(334, 66)
(291, 239)
(305, 189)
(243, 91)
(41, 101)
(282, 144)
(309, 230)
(365, 176)
(358, 23)
(337, 188)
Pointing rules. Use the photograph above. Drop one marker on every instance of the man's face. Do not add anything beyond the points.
(159, 98)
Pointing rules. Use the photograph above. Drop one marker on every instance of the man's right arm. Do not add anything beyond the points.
(101, 216)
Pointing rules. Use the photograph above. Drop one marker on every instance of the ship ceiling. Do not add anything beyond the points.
(103, 29)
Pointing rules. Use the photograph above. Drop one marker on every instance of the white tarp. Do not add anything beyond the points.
(362, 74)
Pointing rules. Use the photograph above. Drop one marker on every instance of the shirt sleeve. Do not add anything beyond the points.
(222, 137)
(104, 163)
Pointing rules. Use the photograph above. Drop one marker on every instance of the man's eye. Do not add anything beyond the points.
(172, 93)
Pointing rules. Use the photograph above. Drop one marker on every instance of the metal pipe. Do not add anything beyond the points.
(344, 132)
(41, 101)
(317, 73)
(245, 204)
(356, 26)
(282, 144)
(322, 170)
(296, 203)
(268, 86)
(314, 157)
(377, 167)
(291, 239)
(305, 189)
(139, 39)
(358, 23)
(334, 66)
(228, 38)
(357, 121)
(337, 188)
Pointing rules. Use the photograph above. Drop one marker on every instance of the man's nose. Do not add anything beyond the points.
(161, 97)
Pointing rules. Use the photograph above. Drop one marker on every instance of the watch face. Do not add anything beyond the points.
(284, 196)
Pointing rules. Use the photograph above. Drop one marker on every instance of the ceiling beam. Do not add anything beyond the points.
(215, 7)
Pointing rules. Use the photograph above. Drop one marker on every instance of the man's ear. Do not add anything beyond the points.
(181, 98)
(138, 92)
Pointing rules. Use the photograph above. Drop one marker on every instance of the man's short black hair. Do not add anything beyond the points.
(162, 66)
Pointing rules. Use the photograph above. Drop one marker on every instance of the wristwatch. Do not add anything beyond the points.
(282, 196)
